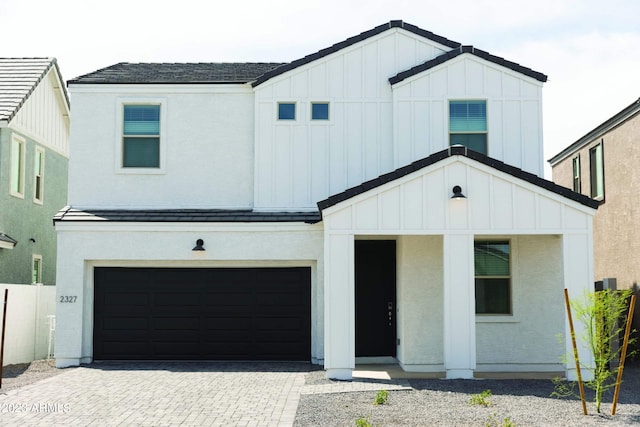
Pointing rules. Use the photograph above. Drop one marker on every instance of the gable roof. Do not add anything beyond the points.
(175, 73)
(619, 118)
(18, 79)
(457, 150)
(470, 50)
(353, 40)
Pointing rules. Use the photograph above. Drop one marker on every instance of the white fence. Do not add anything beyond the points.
(27, 331)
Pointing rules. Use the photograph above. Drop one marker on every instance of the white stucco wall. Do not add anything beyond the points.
(528, 340)
(169, 245)
(206, 148)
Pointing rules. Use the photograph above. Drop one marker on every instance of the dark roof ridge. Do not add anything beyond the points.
(470, 50)
(457, 151)
(611, 123)
(351, 41)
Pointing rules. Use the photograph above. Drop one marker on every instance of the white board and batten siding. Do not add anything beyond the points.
(299, 162)
(44, 116)
(514, 111)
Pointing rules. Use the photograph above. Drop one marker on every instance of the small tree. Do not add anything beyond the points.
(603, 315)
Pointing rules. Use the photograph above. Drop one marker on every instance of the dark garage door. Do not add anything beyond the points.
(202, 314)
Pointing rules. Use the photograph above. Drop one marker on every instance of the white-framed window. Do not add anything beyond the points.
(319, 111)
(38, 176)
(286, 110)
(596, 169)
(18, 147)
(468, 124)
(492, 260)
(141, 143)
(36, 269)
(577, 182)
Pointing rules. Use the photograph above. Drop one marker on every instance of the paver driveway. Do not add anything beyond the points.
(160, 394)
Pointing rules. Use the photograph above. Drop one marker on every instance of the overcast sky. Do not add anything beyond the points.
(590, 49)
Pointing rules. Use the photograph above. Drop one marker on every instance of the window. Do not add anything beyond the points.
(141, 136)
(468, 124)
(596, 164)
(36, 270)
(38, 176)
(17, 166)
(577, 185)
(492, 277)
(286, 111)
(319, 111)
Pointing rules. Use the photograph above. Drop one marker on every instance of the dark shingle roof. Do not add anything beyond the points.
(473, 51)
(175, 73)
(457, 151)
(182, 215)
(18, 79)
(352, 40)
(628, 112)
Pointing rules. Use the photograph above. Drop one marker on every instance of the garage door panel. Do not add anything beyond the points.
(206, 314)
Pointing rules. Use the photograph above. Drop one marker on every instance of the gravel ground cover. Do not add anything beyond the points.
(16, 376)
(447, 403)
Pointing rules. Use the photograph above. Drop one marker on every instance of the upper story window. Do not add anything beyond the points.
(319, 111)
(141, 136)
(468, 124)
(17, 166)
(492, 276)
(38, 176)
(596, 172)
(286, 111)
(36, 269)
(577, 182)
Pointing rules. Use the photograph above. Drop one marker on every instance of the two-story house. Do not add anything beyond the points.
(34, 155)
(379, 200)
(601, 165)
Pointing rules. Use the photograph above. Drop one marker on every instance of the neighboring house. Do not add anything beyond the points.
(34, 155)
(601, 165)
(379, 200)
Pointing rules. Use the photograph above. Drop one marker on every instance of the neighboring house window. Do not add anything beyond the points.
(17, 166)
(596, 164)
(286, 111)
(38, 177)
(319, 111)
(492, 276)
(468, 124)
(577, 184)
(141, 136)
(36, 271)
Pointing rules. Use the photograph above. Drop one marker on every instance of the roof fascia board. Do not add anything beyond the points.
(61, 89)
(163, 227)
(144, 88)
(607, 126)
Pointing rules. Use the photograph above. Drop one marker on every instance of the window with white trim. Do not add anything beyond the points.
(17, 166)
(492, 259)
(36, 269)
(38, 176)
(319, 111)
(468, 124)
(596, 169)
(286, 111)
(141, 136)
(577, 184)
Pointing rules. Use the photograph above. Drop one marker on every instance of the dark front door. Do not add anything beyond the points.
(375, 297)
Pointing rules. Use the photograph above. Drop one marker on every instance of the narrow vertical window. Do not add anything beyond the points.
(596, 166)
(286, 111)
(319, 111)
(36, 270)
(38, 176)
(17, 166)
(577, 184)
(468, 124)
(492, 277)
(141, 136)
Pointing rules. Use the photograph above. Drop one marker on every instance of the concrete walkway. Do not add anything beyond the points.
(160, 394)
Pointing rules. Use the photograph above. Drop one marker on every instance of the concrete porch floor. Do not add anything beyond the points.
(390, 371)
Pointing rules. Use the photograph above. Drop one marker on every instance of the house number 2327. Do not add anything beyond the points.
(68, 298)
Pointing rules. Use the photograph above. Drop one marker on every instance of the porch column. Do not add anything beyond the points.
(459, 306)
(339, 306)
(578, 279)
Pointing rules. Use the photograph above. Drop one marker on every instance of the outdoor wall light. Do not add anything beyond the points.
(457, 193)
(199, 245)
